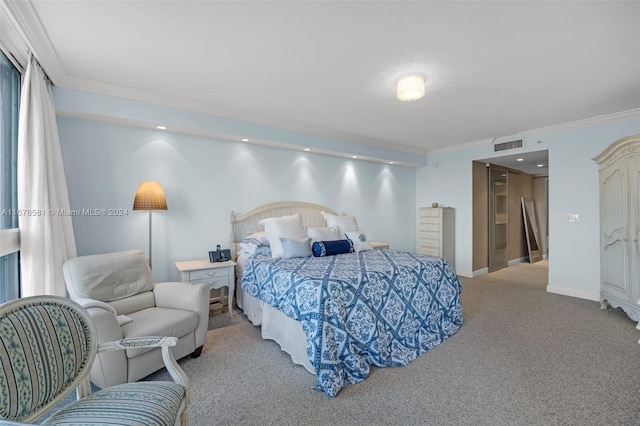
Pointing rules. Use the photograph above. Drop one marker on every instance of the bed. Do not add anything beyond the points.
(336, 315)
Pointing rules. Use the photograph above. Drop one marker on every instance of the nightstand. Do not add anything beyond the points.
(379, 245)
(217, 275)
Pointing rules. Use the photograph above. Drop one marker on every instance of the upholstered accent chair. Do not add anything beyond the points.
(47, 347)
(118, 291)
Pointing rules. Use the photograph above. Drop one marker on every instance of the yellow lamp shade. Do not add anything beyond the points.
(149, 196)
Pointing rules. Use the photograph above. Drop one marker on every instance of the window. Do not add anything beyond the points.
(9, 214)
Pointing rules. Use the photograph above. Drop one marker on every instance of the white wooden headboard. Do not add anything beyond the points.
(247, 223)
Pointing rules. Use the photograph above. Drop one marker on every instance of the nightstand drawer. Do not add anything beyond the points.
(208, 274)
(214, 282)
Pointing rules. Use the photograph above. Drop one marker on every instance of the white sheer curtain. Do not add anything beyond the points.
(46, 236)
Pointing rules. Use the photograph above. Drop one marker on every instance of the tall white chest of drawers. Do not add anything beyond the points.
(435, 225)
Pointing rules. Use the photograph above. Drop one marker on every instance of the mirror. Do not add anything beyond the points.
(498, 219)
(531, 230)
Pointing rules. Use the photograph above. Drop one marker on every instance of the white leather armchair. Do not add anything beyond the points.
(118, 291)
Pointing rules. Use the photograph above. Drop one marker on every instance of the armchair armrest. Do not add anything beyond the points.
(186, 296)
(179, 295)
(111, 368)
(87, 303)
(177, 374)
(105, 319)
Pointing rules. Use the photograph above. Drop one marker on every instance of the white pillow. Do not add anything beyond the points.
(323, 234)
(359, 240)
(345, 223)
(287, 227)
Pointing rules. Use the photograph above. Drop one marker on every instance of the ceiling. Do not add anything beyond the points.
(329, 67)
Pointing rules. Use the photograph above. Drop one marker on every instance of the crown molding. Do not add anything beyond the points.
(601, 119)
(27, 23)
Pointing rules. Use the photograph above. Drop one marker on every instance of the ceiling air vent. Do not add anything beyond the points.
(507, 145)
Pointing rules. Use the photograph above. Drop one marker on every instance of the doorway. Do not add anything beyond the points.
(526, 176)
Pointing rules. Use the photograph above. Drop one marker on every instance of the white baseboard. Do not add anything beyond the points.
(480, 272)
(580, 294)
(464, 273)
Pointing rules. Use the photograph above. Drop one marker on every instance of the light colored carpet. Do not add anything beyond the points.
(522, 357)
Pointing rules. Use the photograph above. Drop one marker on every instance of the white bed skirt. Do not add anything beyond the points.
(276, 326)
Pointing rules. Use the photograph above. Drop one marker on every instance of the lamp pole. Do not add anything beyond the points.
(150, 236)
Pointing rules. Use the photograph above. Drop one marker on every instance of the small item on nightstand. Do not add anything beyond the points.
(434, 205)
(219, 255)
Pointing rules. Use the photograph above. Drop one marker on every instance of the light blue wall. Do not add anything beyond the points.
(574, 259)
(204, 179)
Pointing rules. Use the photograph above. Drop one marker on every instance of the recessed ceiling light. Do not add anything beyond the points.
(540, 165)
(519, 159)
(244, 140)
(354, 156)
(391, 162)
(161, 128)
(307, 149)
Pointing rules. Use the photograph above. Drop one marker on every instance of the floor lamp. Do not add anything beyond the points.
(149, 196)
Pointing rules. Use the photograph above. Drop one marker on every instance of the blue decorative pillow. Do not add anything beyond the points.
(329, 248)
(295, 248)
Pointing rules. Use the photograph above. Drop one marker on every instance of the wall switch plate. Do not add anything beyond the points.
(573, 217)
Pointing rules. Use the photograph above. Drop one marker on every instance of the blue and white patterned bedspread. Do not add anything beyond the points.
(377, 307)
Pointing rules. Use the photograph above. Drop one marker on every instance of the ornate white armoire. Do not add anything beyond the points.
(619, 166)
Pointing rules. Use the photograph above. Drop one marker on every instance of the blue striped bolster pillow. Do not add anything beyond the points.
(329, 248)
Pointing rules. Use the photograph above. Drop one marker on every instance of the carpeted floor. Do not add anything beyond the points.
(522, 357)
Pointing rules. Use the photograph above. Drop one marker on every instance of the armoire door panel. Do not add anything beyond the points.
(614, 266)
(634, 228)
(613, 209)
(619, 168)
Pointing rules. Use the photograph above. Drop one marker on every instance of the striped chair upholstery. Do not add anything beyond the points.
(47, 347)
(138, 403)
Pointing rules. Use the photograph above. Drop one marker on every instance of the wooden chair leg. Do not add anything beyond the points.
(197, 352)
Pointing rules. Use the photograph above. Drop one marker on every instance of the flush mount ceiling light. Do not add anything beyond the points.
(410, 87)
